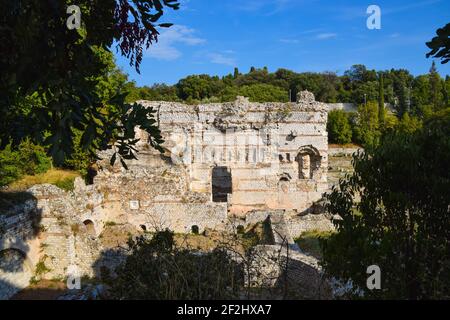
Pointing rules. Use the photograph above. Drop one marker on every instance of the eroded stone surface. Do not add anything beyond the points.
(237, 161)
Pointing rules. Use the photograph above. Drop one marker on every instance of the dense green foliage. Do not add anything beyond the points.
(27, 159)
(366, 129)
(401, 222)
(51, 75)
(416, 97)
(440, 45)
(9, 166)
(404, 92)
(158, 269)
(381, 106)
(338, 127)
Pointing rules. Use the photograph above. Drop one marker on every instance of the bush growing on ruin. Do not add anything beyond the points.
(338, 127)
(401, 222)
(159, 269)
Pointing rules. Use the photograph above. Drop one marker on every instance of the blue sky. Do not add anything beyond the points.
(214, 36)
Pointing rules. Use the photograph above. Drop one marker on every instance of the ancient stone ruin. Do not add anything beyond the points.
(225, 160)
(225, 165)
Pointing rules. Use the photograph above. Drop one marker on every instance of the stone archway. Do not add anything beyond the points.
(16, 271)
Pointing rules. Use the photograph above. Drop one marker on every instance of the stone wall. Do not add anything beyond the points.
(276, 153)
(222, 162)
(294, 274)
(19, 248)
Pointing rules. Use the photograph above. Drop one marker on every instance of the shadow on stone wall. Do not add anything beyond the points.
(19, 226)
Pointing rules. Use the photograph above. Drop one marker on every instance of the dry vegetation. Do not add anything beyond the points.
(309, 242)
(61, 178)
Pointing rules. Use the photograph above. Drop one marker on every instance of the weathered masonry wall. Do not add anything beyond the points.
(223, 163)
(19, 248)
(272, 155)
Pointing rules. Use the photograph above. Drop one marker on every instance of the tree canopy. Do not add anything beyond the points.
(440, 45)
(400, 221)
(358, 85)
(51, 75)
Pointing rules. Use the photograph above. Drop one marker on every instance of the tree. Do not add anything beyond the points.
(198, 87)
(401, 83)
(381, 108)
(41, 57)
(367, 127)
(446, 91)
(338, 127)
(409, 124)
(264, 93)
(440, 45)
(236, 73)
(357, 73)
(435, 87)
(323, 85)
(401, 222)
(420, 96)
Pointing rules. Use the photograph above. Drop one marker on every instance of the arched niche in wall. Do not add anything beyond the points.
(283, 182)
(308, 162)
(90, 228)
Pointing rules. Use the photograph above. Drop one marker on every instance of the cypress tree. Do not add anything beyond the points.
(236, 73)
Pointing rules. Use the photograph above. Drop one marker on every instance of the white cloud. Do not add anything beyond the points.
(219, 58)
(325, 36)
(166, 49)
(290, 41)
(269, 7)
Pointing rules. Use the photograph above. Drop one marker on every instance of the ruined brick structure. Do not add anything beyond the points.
(225, 160)
(225, 165)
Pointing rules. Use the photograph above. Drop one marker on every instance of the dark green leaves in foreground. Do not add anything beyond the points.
(57, 84)
(440, 45)
(132, 116)
(402, 221)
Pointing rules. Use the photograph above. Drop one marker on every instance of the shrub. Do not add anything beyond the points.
(158, 269)
(28, 159)
(80, 159)
(338, 126)
(9, 169)
(33, 158)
